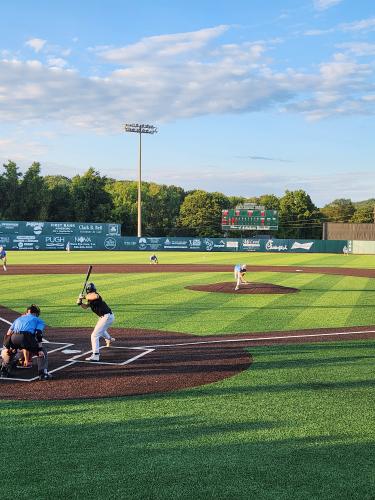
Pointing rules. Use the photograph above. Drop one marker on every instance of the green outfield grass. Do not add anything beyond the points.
(231, 258)
(297, 425)
(160, 301)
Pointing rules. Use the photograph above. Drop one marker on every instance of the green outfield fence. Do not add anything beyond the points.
(23, 235)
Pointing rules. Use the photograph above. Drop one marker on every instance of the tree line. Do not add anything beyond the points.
(166, 210)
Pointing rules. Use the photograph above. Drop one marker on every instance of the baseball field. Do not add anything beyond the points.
(204, 394)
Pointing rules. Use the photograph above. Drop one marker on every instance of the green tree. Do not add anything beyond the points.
(9, 191)
(269, 201)
(124, 195)
(161, 208)
(340, 210)
(364, 214)
(299, 217)
(200, 213)
(59, 201)
(91, 201)
(32, 194)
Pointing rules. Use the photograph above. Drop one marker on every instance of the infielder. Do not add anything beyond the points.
(153, 259)
(26, 332)
(106, 318)
(239, 275)
(3, 257)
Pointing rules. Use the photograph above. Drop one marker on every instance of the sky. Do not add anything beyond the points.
(249, 96)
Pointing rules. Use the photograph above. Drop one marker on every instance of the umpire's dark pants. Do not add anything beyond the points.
(23, 340)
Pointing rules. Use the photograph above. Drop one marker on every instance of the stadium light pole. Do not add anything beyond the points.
(140, 128)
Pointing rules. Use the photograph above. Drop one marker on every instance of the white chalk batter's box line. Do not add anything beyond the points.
(32, 379)
(145, 351)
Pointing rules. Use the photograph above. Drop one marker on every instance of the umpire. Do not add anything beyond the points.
(25, 332)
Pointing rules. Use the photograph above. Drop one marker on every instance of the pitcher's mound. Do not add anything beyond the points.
(249, 288)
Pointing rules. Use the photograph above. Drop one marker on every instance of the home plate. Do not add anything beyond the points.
(70, 351)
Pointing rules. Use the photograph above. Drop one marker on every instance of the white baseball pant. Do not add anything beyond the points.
(100, 330)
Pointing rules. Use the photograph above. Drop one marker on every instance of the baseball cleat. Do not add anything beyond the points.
(4, 372)
(237, 288)
(108, 342)
(45, 376)
(93, 357)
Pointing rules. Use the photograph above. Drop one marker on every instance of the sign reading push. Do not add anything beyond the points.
(249, 217)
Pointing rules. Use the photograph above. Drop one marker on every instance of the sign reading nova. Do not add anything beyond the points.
(249, 217)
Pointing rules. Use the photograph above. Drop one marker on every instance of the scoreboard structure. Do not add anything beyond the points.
(249, 218)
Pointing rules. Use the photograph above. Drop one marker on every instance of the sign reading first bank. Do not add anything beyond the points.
(37, 228)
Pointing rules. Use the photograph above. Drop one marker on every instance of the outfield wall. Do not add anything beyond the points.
(363, 247)
(94, 241)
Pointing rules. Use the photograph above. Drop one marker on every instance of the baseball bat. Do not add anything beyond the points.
(86, 279)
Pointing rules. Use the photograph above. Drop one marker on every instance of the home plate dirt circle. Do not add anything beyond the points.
(249, 288)
(129, 367)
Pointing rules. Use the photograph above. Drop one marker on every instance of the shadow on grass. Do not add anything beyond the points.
(189, 457)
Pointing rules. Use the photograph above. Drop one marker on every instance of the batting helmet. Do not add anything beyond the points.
(34, 309)
(90, 288)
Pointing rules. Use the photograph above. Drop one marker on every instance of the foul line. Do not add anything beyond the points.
(5, 321)
(255, 339)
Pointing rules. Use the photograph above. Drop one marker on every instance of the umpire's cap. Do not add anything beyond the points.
(90, 288)
(34, 309)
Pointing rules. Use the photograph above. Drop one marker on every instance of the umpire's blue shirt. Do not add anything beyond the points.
(27, 323)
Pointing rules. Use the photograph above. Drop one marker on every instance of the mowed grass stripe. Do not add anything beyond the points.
(274, 312)
(363, 311)
(168, 304)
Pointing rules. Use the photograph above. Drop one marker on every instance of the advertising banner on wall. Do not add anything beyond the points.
(232, 245)
(30, 228)
(104, 237)
(54, 242)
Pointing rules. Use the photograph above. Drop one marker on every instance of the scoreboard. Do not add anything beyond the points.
(249, 219)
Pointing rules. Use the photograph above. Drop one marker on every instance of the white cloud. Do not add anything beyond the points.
(169, 77)
(20, 149)
(363, 25)
(325, 4)
(57, 62)
(358, 48)
(36, 44)
(162, 46)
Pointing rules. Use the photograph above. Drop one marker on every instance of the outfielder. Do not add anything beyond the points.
(3, 257)
(106, 318)
(239, 275)
(26, 332)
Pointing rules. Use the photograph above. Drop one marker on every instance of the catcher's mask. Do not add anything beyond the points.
(90, 288)
(34, 309)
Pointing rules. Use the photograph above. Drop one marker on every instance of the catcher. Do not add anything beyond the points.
(106, 318)
(239, 275)
(26, 332)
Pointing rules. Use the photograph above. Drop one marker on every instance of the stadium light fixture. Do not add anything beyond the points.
(140, 128)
